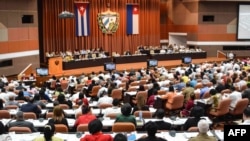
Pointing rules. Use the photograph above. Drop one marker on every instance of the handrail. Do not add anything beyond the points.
(221, 54)
(27, 70)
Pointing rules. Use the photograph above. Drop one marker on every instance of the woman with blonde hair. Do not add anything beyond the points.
(58, 117)
(141, 104)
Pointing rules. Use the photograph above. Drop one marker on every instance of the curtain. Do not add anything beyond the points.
(60, 35)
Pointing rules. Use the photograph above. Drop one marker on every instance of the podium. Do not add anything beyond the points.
(55, 65)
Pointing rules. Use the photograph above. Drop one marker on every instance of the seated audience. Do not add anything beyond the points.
(214, 99)
(2, 128)
(31, 107)
(58, 117)
(114, 109)
(246, 116)
(203, 127)
(48, 134)
(61, 99)
(126, 114)
(20, 96)
(95, 130)
(120, 137)
(44, 95)
(151, 129)
(12, 102)
(86, 116)
(161, 124)
(85, 102)
(195, 116)
(246, 92)
(1, 104)
(189, 105)
(235, 96)
(169, 96)
(20, 122)
(37, 101)
(140, 105)
(105, 99)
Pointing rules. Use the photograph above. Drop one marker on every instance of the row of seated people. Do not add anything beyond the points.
(124, 117)
(181, 83)
(95, 130)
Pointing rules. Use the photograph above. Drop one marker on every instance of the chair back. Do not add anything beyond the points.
(64, 106)
(61, 128)
(29, 115)
(122, 85)
(49, 115)
(132, 89)
(79, 87)
(142, 82)
(240, 106)
(193, 129)
(145, 114)
(198, 86)
(4, 114)
(8, 107)
(144, 94)
(112, 115)
(123, 127)
(223, 108)
(82, 128)
(177, 102)
(105, 105)
(206, 95)
(116, 93)
(134, 83)
(95, 90)
(161, 92)
(64, 85)
(20, 129)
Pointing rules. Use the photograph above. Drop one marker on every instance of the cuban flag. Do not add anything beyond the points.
(132, 19)
(82, 18)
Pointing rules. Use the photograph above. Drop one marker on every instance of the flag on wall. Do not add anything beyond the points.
(132, 19)
(82, 18)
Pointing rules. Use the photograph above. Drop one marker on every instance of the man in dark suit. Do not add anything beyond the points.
(161, 125)
(20, 122)
(31, 107)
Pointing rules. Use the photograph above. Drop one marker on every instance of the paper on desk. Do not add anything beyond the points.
(62, 136)
(219, 134)
(194, 134)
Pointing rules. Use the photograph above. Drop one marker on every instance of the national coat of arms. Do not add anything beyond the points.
(108, 21)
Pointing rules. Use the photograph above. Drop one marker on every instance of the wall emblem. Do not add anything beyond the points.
(108, 21)
(57, 62)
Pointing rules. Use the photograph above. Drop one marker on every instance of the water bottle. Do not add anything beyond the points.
(140, 115)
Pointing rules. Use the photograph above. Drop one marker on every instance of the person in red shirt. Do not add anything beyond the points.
(95, 130)
(86, 116)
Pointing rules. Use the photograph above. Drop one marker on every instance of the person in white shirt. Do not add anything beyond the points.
(105, 99)
(114, 109)
(246, 116)
(235, 96)
(103, 89)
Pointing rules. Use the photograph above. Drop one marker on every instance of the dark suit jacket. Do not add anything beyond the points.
(151, 138)
(23, 123)
(30, 107)
(144, 108)
(162, 125)
(191, 122)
